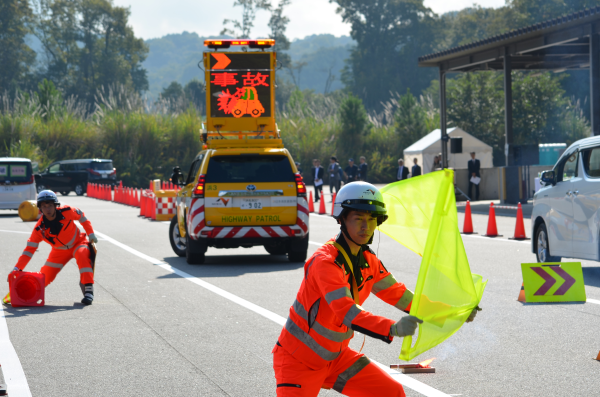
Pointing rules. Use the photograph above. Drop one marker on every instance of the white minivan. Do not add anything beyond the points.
(17, 182)
(566, 218)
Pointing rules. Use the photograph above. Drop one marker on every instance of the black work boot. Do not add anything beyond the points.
(88, 294)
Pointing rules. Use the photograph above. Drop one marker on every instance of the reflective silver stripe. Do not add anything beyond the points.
(407, 297)
(338, 294)
(319, 328)
(383, 284)
(29, 254)
(86, 270)
(352, 370)
(351, 315)
(311, 263)
(70, 243)
(55, 265)
(312, 344)
(80, 246)
(83, 219)
(30, 244)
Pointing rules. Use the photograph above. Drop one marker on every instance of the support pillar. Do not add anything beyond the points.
(444, 137)
(595, 83)
(508, 102)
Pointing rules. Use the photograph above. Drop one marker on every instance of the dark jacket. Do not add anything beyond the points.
(404, 173)
(416, 170)
(352, 173)
(363, 172)
(321, 173)
(474, 167)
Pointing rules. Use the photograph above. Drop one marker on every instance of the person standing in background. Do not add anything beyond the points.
(474, 168)
(334, 176)
(416, 169)
(437, 163)
(402, 173)
(351, 171)
(298, 167)
(363, 169)
(318, 173)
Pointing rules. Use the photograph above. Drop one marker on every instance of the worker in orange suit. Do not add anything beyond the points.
(312, 350)
(57, 228)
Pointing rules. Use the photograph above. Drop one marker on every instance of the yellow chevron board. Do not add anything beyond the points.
(553, 282)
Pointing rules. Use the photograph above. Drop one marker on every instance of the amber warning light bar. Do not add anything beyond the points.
(216, 44)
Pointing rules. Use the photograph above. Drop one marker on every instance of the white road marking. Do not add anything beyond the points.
(593, 301)
(315, 243)
(14, 376)
(405, 380)
(497, 239)
(12, 231)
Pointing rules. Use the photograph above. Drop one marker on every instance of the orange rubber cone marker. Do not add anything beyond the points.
(468, 225)
(597, 358)
(520, 226)
(6, 299)
(311, 205)
(492, 229)
(332, 204)
(521, 297)
(322, 206)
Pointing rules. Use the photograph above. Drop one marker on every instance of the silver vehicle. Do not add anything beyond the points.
(566, 218)
(17, 182)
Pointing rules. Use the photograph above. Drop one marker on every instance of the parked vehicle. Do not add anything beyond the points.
(73, 175)
(17, 182)
(566, 217)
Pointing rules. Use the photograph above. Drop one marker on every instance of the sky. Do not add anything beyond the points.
(156, 18)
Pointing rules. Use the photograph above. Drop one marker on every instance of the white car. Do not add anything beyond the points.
(565, 219)
(17, 182)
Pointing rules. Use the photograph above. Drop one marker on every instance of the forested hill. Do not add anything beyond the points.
(318, 61)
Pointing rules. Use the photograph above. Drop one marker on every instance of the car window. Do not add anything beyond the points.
(193, 171)
(15, 171)
(569, 168)
(54, 168)
(68, 167)
(247, 169)
(82, 166)
(102, 165)
(591, 162)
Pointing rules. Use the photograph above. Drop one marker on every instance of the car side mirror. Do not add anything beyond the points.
(177, 176)
(548, 178)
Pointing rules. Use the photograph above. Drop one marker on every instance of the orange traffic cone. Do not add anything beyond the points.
(598, 358)
(520, 226)
(521, 297)
(332, 204)
(492, 229)
(322, 206)
(153, 207)
(6, 299)
(468, 225)
(311, 205)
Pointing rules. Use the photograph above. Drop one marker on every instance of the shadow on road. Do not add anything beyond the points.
(9, 215)
(28, 311)
(591, 276)
(234, 265)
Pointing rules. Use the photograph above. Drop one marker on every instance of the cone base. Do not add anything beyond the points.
(519, 238)
(495, 235)
(469, 233)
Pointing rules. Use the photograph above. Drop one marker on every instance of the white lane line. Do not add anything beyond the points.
(15, 379)
(405, 380)
(12, 231)
(314, 243)
(497, 239)
(593, 301)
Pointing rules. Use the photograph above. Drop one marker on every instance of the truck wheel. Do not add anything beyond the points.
(542, 247)
(194, 252)
(79, 189)
(298, 250)
(177, 242)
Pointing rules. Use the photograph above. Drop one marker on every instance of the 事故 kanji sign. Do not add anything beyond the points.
(553, 282)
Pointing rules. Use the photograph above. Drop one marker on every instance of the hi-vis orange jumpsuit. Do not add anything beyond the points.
(67, 242)
(312, 351)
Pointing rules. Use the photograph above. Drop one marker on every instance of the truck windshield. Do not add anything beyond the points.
(249, 169)
(102, 166)
(18, 172)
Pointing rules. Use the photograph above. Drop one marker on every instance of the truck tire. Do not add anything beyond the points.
(298, 249)
(194, 251)
(177, 242)
(542, 247)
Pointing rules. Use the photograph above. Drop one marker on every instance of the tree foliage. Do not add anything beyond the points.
(242, 28)
(410, 121)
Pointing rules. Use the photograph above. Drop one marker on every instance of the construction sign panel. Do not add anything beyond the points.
(553, 282)
(240, 86)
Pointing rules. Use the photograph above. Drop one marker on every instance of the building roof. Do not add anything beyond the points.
(434, 137)
(557, 43)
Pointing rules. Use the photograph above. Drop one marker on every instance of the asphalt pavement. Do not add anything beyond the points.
(161, 327)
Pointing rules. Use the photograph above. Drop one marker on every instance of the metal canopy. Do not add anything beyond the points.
(559, 44)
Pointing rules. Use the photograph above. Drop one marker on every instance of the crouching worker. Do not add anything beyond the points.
(57, 228)
(312, 351)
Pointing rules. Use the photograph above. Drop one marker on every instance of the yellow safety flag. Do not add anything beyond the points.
(422, 217)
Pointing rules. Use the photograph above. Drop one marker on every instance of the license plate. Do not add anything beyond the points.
(251, 204)
(104, 176)
(8, 189)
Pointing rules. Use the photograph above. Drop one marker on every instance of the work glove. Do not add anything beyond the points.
(473, 314)
(93, 238)
(406, 326)
(13, 273)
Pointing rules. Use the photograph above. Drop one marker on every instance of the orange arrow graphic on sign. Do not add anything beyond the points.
(222, 61)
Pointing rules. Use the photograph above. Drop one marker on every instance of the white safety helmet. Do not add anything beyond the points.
(360, 196)
(47, 195)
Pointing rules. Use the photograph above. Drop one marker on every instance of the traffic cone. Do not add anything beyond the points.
(468, 225)
(322, 206)
(521, 297)
(332, 204)
(492, 229)
(6, 299)
(520, 226)
(153, 208)
(311, 205)
(598, 358)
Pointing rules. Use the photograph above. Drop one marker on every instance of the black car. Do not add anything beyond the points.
(73, 175)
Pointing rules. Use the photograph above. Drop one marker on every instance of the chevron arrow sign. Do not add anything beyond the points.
(553, 282)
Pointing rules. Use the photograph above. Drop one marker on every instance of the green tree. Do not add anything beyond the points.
(16, 57)
(49, 98)
(355, 125)
(410, 121)
(195, 91)
(278, 25)
(241, 29)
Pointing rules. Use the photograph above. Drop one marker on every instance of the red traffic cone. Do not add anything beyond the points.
(333, 204)
(492, 229)
(153, 207)
(598, 358)
(521, 297)
(468, 225)
(322, 206)
(311, 205)
(520, 226)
